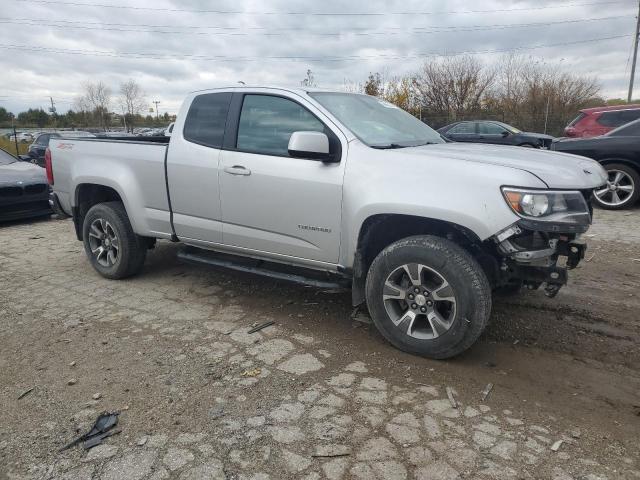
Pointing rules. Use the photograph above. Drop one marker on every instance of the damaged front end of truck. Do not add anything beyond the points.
(545, 243)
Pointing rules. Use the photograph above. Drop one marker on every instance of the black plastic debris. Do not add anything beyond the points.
(261, 326)
(102, 428)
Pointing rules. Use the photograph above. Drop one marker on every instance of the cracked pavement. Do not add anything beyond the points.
(315, 396)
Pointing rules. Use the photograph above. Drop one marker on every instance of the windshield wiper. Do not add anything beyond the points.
(389, 146)
(398, 145)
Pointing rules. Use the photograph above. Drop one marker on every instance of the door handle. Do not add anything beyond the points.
(237, 170)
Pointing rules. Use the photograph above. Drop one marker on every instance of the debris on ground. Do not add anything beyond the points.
(261, 326)
(334, 291)
(102, 428)
(216, 412)
(487, 391)
(556, 445)
(72, 381)
(452, 399)
(142, 441)
(251, 373)
(97, 396)
(330, 451)
(25, 393)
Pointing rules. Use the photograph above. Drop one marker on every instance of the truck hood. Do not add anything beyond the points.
(557, 170)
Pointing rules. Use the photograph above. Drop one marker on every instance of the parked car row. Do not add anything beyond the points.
(603, 134)
(619, 152)
(494, 132)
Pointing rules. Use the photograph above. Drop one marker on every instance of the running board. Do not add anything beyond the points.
(260, 267)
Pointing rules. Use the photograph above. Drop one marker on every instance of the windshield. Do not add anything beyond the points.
(6, 158)
(377, 123)
(511, 129)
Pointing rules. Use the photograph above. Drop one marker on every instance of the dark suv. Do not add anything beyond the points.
(39, 146)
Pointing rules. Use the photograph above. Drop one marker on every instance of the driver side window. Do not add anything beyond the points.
(267, 122)
(490, 129)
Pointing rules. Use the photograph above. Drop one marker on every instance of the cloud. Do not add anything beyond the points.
(181, 51)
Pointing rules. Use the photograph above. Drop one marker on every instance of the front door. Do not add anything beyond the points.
(489, 132)
(273, 203)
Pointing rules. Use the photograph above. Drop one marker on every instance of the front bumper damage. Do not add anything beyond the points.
(534, 258)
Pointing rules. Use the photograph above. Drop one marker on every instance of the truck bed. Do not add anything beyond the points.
(133, 166)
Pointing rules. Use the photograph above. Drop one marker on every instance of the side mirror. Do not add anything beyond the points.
(312, 145)
(505, 134)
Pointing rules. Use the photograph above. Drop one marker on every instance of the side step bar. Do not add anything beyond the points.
(259, 267)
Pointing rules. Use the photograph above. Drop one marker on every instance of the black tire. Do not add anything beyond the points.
(633, 198)
(132, 249)
(455, 266)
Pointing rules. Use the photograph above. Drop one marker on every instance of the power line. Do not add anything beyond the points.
(395, 31)
(239, 12)
(232, 58)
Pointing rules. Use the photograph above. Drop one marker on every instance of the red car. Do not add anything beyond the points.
(592, 122)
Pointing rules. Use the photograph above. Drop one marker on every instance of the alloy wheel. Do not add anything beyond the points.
(419, 301)
(104, 242)
(619, 189)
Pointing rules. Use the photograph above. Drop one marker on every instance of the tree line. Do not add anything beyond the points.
(522, 91)
(94, 108)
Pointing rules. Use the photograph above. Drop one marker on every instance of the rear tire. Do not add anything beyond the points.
(429, 297)
(113, 248)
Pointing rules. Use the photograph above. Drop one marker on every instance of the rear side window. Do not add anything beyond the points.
(43, 140)
(267, 122)
(620, 117)
(206, 119)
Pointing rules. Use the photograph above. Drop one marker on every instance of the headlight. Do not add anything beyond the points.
(548, 206)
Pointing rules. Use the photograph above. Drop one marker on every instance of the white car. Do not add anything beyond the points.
(23, 137)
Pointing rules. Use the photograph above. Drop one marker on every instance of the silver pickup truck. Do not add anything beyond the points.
(335, 189)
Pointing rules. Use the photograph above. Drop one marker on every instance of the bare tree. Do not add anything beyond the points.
(310, 80)
(132, 99)
(453, 86)
(98, 97)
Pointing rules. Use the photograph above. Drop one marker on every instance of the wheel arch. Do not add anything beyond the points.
(624, 161)
(87, 195)
(380, 230)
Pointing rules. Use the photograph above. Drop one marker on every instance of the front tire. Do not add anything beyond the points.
(113, 248)
(429, 297)
(622, 189)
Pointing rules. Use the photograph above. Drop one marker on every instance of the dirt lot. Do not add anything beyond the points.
(316, 395)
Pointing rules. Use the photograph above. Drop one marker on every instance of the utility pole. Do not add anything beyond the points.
(635, 56)
(124, 119)
(156, 102)
(53, 112)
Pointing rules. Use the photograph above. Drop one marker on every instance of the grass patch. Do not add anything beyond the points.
(9, 146)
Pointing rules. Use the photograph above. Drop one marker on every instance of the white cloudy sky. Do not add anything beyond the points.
(51, 47)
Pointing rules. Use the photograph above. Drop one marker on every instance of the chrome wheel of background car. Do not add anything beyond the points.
(104, 242)
(619, 189)
(419, 301)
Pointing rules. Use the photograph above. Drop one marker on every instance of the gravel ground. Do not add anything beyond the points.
(317, 395)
